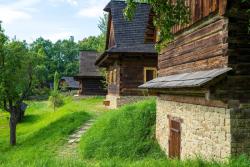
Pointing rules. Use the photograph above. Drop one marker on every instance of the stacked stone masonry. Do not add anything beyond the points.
(206, 132)
(117, 101)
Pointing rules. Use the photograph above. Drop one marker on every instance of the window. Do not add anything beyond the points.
(149, 73)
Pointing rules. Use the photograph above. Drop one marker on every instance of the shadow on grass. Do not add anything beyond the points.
(30, 119)
(58, 130)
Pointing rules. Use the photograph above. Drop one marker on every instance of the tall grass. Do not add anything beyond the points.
(43, 131)
(125, 133)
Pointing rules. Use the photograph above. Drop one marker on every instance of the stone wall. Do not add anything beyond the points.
(240, 128)
(205, 131)
(118, 101)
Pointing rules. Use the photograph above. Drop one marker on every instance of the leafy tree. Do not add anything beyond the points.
(167, 14)
(17, 65)
(60, 56)
(92, 43)
(55, 98)
(103, 23)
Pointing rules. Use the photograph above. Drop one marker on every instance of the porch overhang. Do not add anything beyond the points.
(185, 80)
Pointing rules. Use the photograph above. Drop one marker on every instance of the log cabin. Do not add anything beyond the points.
(68, 84)
(130, 57)
(92, 83)
(203, 87)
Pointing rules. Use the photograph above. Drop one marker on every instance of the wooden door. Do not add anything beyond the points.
(175, 139)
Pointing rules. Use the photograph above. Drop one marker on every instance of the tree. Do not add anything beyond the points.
(103, 24)
(16, 78)
(55, 98)
(61, 56)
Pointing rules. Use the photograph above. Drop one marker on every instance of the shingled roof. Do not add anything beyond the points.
(129, 35)
(185, 80)
(87, 65)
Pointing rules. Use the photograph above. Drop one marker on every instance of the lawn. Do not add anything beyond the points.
(123, 137)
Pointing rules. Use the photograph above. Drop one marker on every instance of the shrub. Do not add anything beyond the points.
(55, 98)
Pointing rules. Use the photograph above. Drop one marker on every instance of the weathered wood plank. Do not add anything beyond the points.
(211, 63)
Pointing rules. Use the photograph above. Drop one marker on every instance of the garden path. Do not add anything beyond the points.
(70, 149)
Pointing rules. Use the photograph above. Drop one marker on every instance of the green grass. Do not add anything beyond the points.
(125, 133)
(120, 138)
(43, 131)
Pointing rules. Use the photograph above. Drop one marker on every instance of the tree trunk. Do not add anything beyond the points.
(13, 124)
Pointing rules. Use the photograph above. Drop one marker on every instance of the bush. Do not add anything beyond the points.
(55, 100)
(125, 133)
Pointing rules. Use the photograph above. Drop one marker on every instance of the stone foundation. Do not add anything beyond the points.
(207, 132)
(118, 101)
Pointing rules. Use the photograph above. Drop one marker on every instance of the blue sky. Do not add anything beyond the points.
(51, 19)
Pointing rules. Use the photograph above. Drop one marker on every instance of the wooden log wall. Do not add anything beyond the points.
(200, 9)
(114, 88)
(93, 86)
(237, 84)
(132, 73)
(203, 47)
(239, 38)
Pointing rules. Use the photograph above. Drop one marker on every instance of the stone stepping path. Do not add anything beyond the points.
(70, 149)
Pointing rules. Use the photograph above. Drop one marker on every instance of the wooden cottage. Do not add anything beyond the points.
(130, 57)
(90, 79)
(203, 86)
(68, 84)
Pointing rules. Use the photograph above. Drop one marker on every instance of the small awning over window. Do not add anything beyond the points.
(193, 79)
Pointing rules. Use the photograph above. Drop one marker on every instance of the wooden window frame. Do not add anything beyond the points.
(151, 69)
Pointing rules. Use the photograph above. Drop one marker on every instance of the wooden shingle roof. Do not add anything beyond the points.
(87, 64)
(130, 34)
(193, 79)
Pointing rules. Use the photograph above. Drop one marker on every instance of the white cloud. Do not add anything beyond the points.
(92, 8)
(9, 15)
(94, 11)
(17, 11)
(73, 2)
(70, 2)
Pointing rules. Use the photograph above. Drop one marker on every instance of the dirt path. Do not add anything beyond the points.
(70, 149)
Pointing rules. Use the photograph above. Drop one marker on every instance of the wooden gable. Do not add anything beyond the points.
(150, 34)
(110, 41)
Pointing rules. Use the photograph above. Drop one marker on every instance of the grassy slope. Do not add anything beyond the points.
(127, 132)
(124, 137)
(43, 131)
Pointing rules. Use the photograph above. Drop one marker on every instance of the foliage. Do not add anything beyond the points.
(17, 74)
(103, 24)
(38, 145)
(125, 133)
(92, 43)
(55, 98)
(167, 14)
(61, 56)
